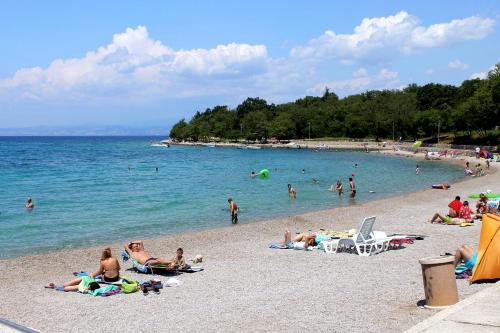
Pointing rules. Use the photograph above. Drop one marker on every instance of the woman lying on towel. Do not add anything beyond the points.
(109, 269)
(299, 242)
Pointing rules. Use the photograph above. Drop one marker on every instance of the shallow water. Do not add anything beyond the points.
(85, 193)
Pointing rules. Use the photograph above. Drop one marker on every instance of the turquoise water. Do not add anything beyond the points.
(85, 194)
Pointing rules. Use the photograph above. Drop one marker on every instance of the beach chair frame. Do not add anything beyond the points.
(364, 243)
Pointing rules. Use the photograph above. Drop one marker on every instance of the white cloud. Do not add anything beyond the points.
(401, 32)
(360, 72)
(136, 68)
(429, 71)
(457, 64)
(480, 75)
(361, 81)
(134, 63)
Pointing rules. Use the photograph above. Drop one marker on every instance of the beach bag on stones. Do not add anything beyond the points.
(130, 286)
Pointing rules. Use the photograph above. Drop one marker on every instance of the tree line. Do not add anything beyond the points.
(411, 113)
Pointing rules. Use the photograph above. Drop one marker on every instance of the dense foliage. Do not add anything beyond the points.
(413, 112)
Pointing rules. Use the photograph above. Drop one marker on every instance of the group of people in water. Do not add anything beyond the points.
(109, 267)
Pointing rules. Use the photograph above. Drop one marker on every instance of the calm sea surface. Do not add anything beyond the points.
(94, 190)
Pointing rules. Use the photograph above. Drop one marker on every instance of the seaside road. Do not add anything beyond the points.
(248, 287)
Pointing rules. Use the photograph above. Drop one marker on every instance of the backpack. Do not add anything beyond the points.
(130, 286)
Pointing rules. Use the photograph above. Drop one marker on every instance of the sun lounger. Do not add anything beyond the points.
(364, 243)
(147, 268)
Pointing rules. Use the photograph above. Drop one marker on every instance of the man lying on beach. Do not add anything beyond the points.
(135, 250)
(299, 242)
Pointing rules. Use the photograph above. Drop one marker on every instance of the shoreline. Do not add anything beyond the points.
(242, 274)
(386, 151)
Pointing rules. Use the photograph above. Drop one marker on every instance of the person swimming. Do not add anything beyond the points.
(29, 203)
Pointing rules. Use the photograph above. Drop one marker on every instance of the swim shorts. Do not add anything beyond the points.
(472, 262)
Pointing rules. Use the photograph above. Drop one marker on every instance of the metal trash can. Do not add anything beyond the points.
(440, 285)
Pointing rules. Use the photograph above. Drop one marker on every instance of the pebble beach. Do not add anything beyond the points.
(245, 286)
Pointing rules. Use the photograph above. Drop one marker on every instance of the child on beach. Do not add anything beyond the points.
(233, 209)
(178, 260)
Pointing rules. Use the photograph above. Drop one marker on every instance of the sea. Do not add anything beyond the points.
(90, 191)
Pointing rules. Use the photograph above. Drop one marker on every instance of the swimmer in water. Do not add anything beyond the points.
(29, 203)
(291, 192)
(352, 185)
(253, 174)
(417, 170)
(315, 181)
(303, 171)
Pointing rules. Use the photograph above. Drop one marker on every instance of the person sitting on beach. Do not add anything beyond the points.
(481, 204)
(464, 216)
(135, 250)
(454, 207)
(109, 270)
(491, 207)
(178, 260)
(300, 242)
(292, 192)
(29, 203)
(467, 254)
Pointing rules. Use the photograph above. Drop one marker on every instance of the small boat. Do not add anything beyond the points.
(322, 146)
(160, 144)
(253, 147)
(209, 144)
(292, 145)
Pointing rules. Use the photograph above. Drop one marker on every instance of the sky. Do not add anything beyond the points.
(116, 67)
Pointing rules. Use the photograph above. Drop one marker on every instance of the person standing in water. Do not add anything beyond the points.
(233, 209)
(292, 192)
(339, 188)
(417, 170)
(352, 185)
(29, 204)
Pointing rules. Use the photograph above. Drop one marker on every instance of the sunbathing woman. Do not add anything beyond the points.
(299, 242)
(109, 269)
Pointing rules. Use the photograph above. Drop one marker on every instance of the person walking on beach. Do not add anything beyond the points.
(29, 204)
(233, 209)
(292, 192)
(352, 186)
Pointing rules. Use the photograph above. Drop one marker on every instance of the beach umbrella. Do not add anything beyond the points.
(417, 144)
(488, 261)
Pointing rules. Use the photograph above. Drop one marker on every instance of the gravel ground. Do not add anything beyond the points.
(247, 287)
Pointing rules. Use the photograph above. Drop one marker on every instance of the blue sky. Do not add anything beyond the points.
(143, 66)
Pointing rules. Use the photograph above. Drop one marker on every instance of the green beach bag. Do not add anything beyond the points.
(130, 286)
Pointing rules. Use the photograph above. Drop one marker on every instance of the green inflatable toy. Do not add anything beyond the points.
(488, 195)
(264, 173)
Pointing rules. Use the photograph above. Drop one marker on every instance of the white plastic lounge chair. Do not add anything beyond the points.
(365, 242)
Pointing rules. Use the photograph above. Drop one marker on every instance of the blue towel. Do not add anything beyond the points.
(275, 245)
(125, 256)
